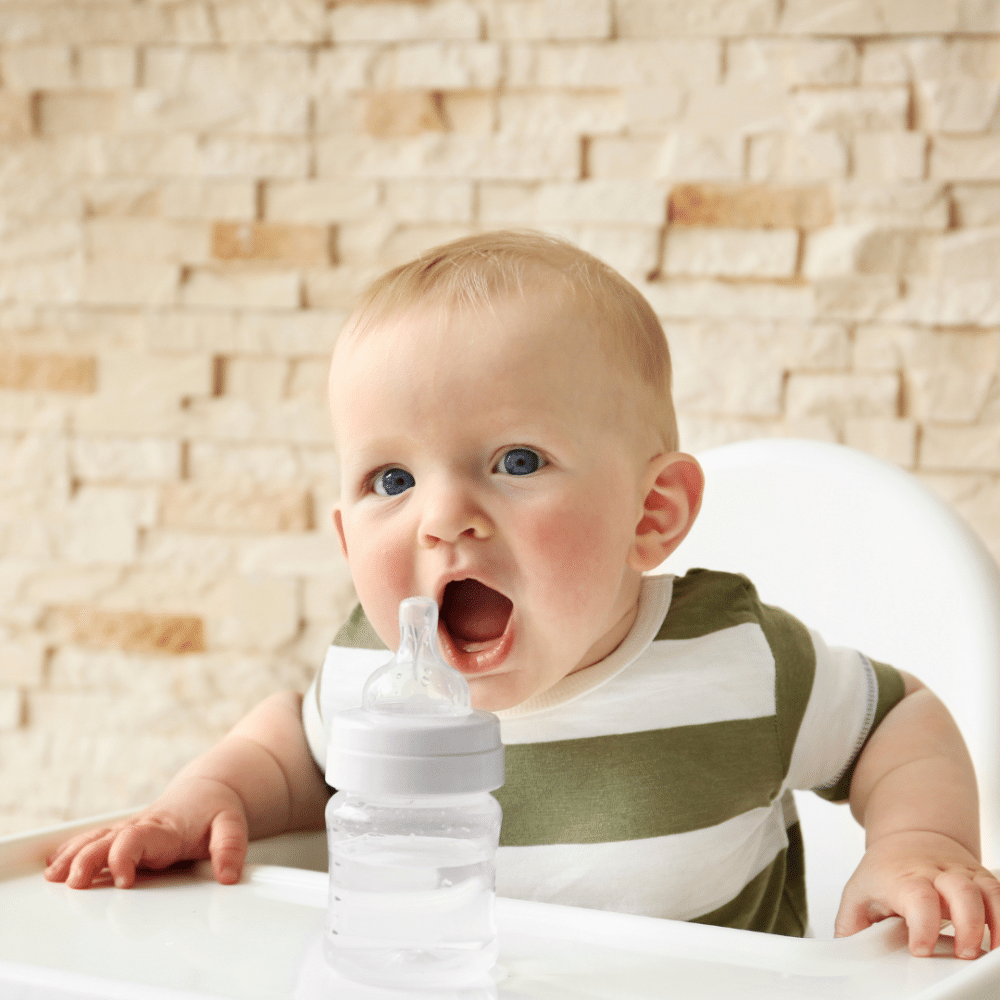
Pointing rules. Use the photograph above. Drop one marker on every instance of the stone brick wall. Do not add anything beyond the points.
(191, 192)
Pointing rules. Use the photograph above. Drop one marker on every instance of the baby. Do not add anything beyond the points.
(508, 447)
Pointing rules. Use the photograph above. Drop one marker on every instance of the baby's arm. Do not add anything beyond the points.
(259, 780)
(914, 791)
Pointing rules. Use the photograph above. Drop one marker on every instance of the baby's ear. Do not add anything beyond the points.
(673, 486)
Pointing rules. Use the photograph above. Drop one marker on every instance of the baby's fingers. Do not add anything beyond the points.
(919, 904)
(964, 900)
(58, 864)
(227, 845)
(147, 845)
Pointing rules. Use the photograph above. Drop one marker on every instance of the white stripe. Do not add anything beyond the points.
(718, 677)
(680, 876)
(834, 721)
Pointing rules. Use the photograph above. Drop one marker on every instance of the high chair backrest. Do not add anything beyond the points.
(865, 554)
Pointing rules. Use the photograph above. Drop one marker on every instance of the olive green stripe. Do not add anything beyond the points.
(357, 633)
(635, 785)
(705, 601)
(890, 693)
(774, 901)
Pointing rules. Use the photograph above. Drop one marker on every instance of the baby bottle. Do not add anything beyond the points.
(413, 830)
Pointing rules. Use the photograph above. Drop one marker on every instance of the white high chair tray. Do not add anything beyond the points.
(181, 936)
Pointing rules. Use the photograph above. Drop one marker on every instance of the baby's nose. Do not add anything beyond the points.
(450, 513)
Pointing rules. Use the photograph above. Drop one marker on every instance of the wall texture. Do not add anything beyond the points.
(191, 192)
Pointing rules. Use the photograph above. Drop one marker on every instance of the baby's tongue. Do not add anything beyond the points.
(474, 612)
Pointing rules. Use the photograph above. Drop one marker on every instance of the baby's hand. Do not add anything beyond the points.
(923, 877)
(193, 820)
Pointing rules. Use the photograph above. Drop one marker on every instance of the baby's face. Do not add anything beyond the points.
(488, 462)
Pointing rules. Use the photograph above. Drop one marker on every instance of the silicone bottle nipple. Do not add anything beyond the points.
(417, 680)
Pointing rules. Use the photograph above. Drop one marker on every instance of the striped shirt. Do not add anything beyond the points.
(658, 781)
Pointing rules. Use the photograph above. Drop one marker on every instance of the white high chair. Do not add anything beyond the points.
(862, 552)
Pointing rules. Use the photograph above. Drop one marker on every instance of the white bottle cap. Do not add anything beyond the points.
(416, 733)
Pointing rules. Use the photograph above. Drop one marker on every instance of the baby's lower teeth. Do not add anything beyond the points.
(475, 647)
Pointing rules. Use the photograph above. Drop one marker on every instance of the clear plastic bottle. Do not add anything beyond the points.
(413, 830)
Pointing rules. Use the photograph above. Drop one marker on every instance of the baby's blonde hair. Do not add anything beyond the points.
(477, 271)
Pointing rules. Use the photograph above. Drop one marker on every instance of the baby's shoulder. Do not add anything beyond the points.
(705, 600)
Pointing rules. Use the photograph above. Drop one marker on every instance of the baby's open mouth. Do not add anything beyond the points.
(474, 615)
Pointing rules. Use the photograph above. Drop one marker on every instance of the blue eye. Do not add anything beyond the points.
(521, 462)
(392, 482)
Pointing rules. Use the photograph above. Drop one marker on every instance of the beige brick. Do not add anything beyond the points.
(136, 631)
(851, 109)
(61, 112)
(473, 112)
(395, 22)
(344, 68)
(16, 116)
(891, 440)
(976, 449)
(614, 64)
(120, 196)
(37, 67)
(730, 253)
(739, 109)
(857, 297)
(11, 708)
(631, 250)
(889, 156)
(862, 249)
(882, 17)
(263, 21)
(125, 459)
(404, 112)
(23, 411)
(724, 299)
(47, 372)
(645, 18)
(976, 204)
(389, 245)
(26, 240)
(42, 282)
(448, 157)
(177, 70)
(142, 394)
(338, 288)
(258, 379)
(679, 156)
(328, 598)
(22, 660)
(256, 508)
(289, 333)
(718, 371)
(292, 556)
(308, 378)
(103, 524)
(651, 109)
(812, 157)
(438, 66)
(253, 612)
(594, 201)
(155, 240)
(241, 288)
(950, 301)
(268, 112)
(970, 253)
(106, 66)
(950, 393)
(751, 206)
(254, 157)
(879, 346)
(339, 112)
(918, 205)
(542, 20)
(272, 242)
(976, 498)
(426, 201)
(842, 395)
(699, 433)
(963, 158)
(208, 460)
(130, 283)
(304, 421)
(956, 106)
(138, 155)
(953, 59)
(214, 199)
(791, 62)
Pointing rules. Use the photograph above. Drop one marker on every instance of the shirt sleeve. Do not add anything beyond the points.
(849, 697)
